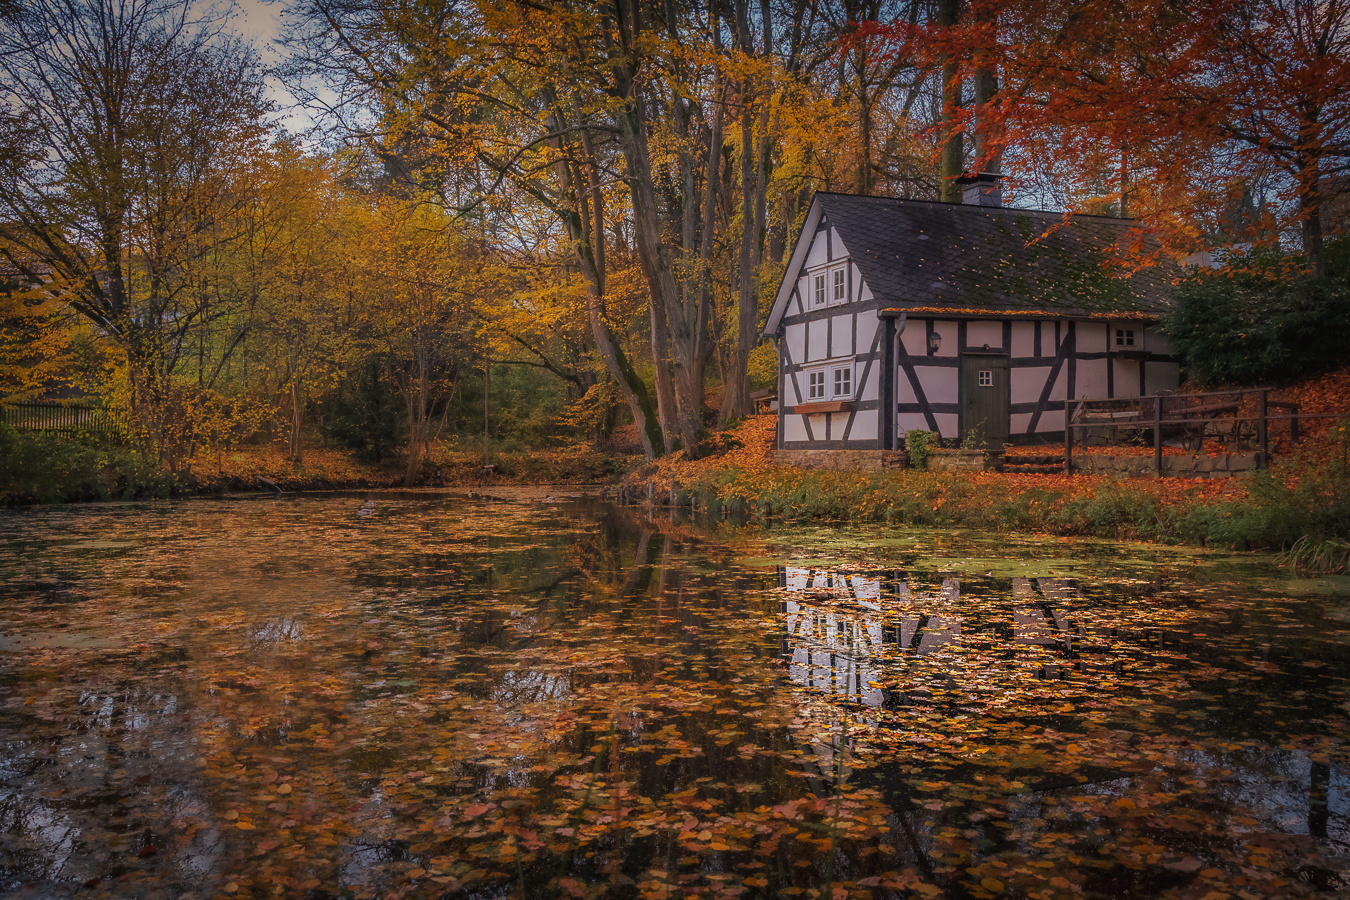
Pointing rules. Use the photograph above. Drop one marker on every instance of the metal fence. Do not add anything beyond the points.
(59, 418)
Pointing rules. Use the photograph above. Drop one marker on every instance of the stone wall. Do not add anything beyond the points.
(842, 460)
(957, 460)
(1198, 466)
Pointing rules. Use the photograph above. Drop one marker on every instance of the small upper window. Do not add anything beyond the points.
(839, 286)
(843, 382)
(818, 290)
(816, 386)
(986, 378)
(1124, 337)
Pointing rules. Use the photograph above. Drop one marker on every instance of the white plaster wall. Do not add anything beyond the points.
(950, 345)
(864, 426)
(816, 346)
(980, 333)
(1091, 379)
(792, 392)
(914, 339)
(1018, 423)
(1026, 384)
(840, 251)
(904, 391)
(1051, 420)
(1023, 338)
(1092, 338)
(868, 326)
(1060, 389)
(947, 424)
(911, 422)
(841, 336)
(1126, 376)
(795, 339)
(868, 391)
(864, 292)
(793, 429)
(939, 384)
(1049, 345)
(816, 255)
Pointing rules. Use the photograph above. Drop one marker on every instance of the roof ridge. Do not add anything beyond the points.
(945, 205)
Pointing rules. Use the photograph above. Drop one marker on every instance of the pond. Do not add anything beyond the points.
(453, 697)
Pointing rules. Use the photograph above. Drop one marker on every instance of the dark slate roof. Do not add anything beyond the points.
(916, 254)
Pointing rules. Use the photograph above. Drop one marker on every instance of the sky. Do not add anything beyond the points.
(259, 21)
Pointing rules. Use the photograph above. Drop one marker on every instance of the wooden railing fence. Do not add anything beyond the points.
(59, 418)
(1241, 418)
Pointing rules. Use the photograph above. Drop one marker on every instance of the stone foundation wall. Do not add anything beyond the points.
(955, 460)
(842, 460)
(1219, 466)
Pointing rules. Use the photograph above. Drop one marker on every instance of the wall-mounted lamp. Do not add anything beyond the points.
(934, 342)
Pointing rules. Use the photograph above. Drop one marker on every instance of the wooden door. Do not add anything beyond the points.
(984, 400)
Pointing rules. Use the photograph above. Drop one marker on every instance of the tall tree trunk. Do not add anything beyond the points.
(1310, 213)
(952, 162)
(661, 364)
(736, 399)
(864, 179)
(584, 221)
(1124, 183)
(297, 411)
(683, 319)
(988, 143)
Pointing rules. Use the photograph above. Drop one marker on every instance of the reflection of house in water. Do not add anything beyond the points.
(840, 627)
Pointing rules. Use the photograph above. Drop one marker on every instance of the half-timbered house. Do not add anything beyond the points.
(972, 320)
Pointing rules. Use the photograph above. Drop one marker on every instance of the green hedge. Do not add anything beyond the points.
(38, 468)
(1263, 318)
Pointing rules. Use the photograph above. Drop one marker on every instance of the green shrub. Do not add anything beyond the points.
(370, 419)
(1262, 318)
(918, 443)
(37, 468)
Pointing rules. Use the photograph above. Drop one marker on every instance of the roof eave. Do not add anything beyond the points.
(793, 270)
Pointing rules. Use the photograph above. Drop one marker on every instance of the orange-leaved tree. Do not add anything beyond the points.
(1163, 108)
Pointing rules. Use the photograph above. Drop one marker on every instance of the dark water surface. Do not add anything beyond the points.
(459, 698)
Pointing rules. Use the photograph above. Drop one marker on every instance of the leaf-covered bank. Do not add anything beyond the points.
(36, 468)
(1302, 499)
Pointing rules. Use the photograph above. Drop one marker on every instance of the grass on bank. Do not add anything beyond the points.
(1301, 507)
(37, 468)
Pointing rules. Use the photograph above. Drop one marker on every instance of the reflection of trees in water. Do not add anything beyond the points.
(1156, 785)
(456, 691)
(94, 791)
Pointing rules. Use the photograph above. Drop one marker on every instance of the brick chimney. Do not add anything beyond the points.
(981, 189)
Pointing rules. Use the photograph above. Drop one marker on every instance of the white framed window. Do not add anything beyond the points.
(986, 377)
(829, 286)
(1124, 337)
(815, 386)
(843, 381)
